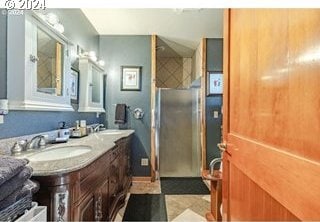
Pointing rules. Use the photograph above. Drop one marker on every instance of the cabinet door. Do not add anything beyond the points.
(113, 182)
(85, 211)
(127, 164)
(91, 86)
(95, 85)
(44, 64)
(122, 167)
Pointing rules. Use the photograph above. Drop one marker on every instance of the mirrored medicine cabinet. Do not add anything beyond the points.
(38, 65)
(91, 86)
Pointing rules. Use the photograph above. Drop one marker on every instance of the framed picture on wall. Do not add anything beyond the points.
(214, 83)
(131, 78)
(74, 85)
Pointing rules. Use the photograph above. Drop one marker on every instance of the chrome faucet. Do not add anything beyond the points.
(213, 163)
(97, 127)
(36, 143)
(18, 147)
(23, 145)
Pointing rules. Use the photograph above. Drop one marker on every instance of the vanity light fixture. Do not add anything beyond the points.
(101, 62)
(59, 27)
(53, 20)
(93, 56)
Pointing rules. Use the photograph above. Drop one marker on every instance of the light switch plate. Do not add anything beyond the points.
(1, 119)
(144, 162)
(216, 114)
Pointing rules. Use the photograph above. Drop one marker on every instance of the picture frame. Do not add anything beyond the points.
(131, 78)
(214, 83)
(74, 85)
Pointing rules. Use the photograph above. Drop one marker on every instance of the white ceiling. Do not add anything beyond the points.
(185, 27)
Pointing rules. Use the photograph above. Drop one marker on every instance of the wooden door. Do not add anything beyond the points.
(271, 115)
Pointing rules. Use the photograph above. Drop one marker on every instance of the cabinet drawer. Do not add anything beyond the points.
(101, 163)
(92, 175)
(115, 152)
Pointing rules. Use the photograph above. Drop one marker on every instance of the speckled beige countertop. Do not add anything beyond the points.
(99, 142)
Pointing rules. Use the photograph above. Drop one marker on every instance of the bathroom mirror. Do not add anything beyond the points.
(95, 85)
(91, 86)
(49, 64)
(44, 63)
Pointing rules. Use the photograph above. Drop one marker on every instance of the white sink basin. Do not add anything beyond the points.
(110, 132)
(59, 153)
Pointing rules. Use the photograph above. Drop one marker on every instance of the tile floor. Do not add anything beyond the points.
(180, 208)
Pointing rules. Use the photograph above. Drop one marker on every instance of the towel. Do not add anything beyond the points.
(15, 182)
(28, 188)
(10, 167)
(121, 117)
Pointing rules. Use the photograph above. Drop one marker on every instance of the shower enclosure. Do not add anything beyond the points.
(178, 132)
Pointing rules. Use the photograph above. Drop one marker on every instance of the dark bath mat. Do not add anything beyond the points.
(183, 185)
(146, 207)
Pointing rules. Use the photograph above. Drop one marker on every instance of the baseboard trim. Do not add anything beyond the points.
(141, 179)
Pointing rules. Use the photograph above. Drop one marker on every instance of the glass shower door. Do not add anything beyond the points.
(177, 131)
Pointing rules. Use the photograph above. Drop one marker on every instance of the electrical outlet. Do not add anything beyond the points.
(144, 161)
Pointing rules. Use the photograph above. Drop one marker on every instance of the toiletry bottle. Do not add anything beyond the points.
(83, 127)
(64, 131)
(76, 132)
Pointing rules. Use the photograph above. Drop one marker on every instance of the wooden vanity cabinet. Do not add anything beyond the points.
(93, 193)
(85, 211)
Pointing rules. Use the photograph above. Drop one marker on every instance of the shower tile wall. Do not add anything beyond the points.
(174, 72)
(197, 63)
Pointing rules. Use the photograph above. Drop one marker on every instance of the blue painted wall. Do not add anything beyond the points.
(19, 123)
(214, 103)
(79, 30)
(129, 51)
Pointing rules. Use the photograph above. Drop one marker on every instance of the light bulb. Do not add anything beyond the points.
(92, 54)
(94, 58)
(101, 62)
(59, 27)
(52, 18)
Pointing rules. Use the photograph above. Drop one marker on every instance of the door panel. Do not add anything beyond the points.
(86, 209)
(258, 203)
(272, 122)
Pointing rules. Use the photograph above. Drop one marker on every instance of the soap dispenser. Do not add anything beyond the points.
(64, 132)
